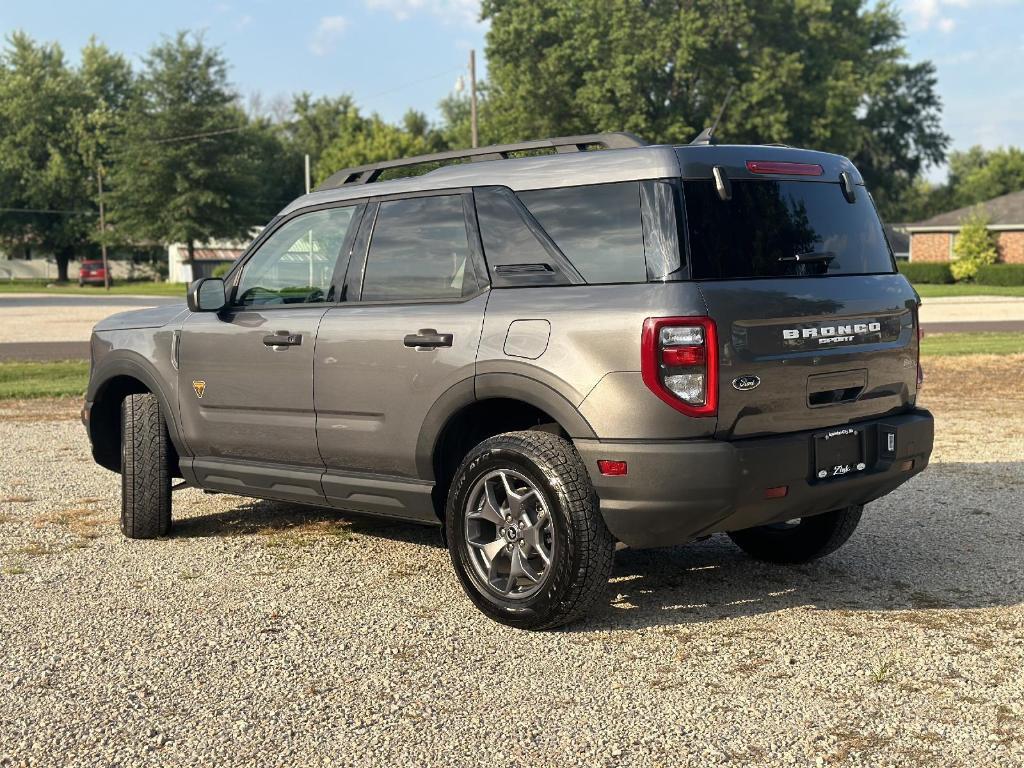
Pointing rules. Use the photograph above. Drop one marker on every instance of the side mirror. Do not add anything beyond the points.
(206, 295)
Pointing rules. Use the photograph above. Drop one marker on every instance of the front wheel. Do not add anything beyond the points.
(800, 540)
(524, 532)
(145, 468)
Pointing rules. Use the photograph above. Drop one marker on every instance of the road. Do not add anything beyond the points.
(24, 316)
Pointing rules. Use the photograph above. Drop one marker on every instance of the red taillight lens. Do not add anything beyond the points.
(785, 169)
(679, 362)
(682, 356)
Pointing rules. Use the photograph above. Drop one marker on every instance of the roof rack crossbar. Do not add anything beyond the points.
(367, 174)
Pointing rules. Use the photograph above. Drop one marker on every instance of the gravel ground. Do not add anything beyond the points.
(265, 634)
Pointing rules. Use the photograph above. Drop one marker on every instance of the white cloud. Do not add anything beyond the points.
(327, 34)
(449, 11)
(925, 14)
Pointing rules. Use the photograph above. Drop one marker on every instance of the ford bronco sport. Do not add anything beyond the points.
(543, 349)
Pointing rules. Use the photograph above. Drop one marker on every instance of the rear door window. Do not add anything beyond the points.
(419, 250)
(782, 229)
(597, 227)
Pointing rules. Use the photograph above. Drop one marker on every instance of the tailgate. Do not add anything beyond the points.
(804, 353)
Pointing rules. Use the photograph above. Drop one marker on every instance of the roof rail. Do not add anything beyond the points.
(366, 174)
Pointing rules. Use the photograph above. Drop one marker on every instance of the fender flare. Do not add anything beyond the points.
(488, 386)
(128, 363)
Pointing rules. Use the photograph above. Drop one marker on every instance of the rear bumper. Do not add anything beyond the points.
(680, 490)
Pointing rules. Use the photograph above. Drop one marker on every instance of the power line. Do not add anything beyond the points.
(64, 211)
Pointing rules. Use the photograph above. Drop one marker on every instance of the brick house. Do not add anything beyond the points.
(932, 239)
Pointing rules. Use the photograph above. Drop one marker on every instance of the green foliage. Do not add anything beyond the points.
(221, 270)
(950, 344)
(1000, 274)
(42, 180)
(827, 75)
(369, 140)
(973, 248)
(975, 176)
(926, 272)
(33, 380)
(188, 168)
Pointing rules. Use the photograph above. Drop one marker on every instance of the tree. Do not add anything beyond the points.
(44, 191)
(973, 247)
(187, 168)
(827, 75)
(976, 175)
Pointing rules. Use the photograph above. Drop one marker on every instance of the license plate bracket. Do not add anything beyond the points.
(838, 453)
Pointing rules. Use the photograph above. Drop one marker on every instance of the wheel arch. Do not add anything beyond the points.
(116, 376)
(474, 410)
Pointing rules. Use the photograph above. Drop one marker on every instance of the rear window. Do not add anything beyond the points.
(597, 227)
(782, 229)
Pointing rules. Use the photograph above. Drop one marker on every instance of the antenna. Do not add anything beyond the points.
(707, 135)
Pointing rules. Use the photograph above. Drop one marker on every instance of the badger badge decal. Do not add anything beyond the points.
(199, 387)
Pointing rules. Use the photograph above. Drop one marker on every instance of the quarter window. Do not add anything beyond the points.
(419, 250)
(296, 264)
(597, 227)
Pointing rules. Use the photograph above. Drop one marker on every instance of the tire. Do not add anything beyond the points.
(145, 470)
(808, 539)
(547, 474)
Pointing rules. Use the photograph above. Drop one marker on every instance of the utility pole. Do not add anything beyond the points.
(103, 228)
(472, 96)
(307, 174)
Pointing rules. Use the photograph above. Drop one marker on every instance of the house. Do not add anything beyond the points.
(932, 239)
(206, 258)
(899, 240)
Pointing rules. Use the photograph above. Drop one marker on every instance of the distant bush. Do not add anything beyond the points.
(1000, 274)
(936, 272)
(973, 247)
(221, 270)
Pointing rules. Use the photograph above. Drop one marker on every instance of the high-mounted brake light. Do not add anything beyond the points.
(679, 362)
(785, 169)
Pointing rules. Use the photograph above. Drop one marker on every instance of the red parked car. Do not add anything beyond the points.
(92, 273)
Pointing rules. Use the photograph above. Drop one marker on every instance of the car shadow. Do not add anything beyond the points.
(256, 518)
(949, 539)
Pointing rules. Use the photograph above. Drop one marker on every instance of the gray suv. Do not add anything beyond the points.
(542, 349)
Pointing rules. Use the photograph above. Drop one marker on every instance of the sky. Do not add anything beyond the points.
(396, 54)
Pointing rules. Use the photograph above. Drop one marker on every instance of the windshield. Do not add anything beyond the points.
(782, 229)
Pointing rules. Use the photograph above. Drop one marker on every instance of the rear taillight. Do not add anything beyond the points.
(679, 362)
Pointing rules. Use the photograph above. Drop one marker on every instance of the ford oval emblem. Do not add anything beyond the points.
(743, 383)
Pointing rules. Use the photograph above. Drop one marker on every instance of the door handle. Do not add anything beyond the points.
(428, 338)
(283, 339)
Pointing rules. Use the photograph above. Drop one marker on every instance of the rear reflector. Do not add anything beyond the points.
(777, 492)
(611, 468)
(785, 169)
(906, 466)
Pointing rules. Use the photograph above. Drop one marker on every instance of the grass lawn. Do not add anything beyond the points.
(946, 344)
(928, 291)
(120, 288)
(30, 380)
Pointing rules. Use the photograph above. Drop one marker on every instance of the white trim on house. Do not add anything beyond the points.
(953, 229)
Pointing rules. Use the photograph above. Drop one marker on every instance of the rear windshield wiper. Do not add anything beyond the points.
(814, 257)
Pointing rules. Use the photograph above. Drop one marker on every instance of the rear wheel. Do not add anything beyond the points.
(145, 469)
(800, 540)
(524, 532)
